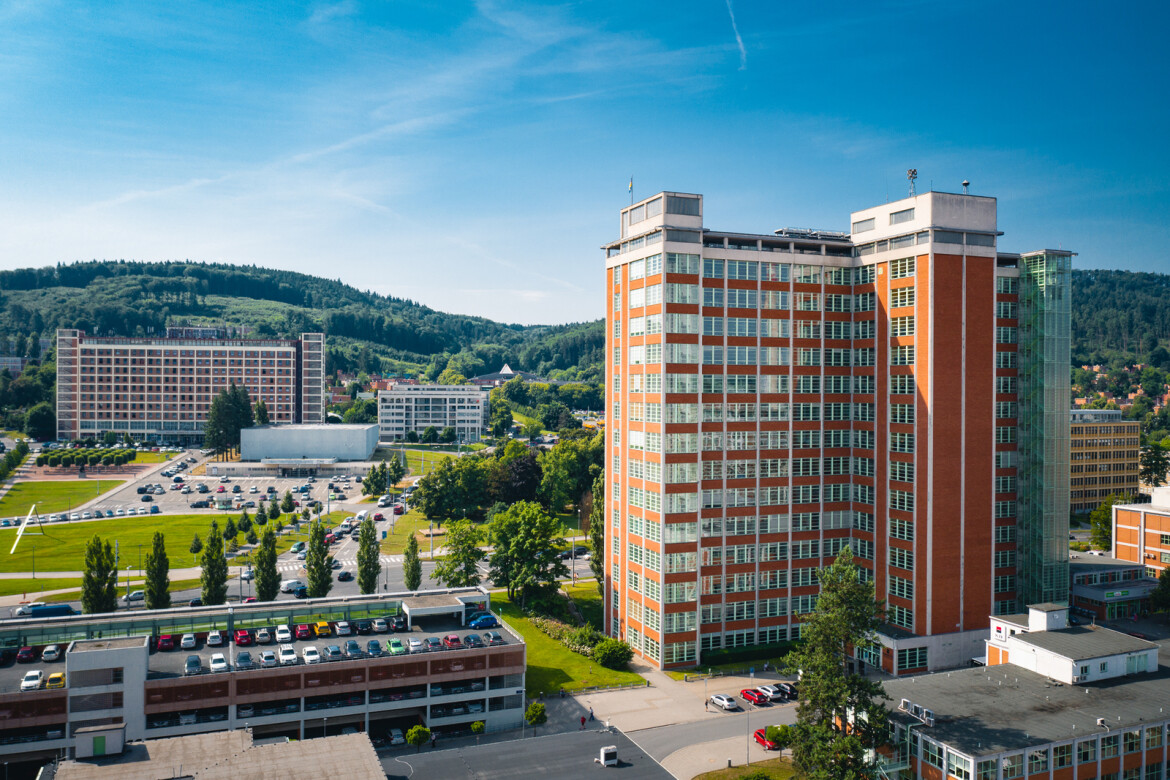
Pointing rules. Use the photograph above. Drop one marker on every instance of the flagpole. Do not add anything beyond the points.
(631, 190)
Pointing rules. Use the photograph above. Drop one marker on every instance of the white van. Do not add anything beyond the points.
(288, 586)
(360, 517)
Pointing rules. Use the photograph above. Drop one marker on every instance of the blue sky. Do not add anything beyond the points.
(473, 156)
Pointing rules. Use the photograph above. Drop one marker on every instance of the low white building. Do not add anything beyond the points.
(406, 408)
(308, 442)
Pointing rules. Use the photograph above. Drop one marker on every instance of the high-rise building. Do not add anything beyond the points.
(161, 388)
(773, 398)
(1103, 457)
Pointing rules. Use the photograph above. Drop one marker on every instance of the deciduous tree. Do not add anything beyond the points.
(525, 558)
(459, 567)
(1153, 464)
(1101, 522)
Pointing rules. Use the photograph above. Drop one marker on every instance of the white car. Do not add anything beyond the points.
(51, 653)
(283, 635)
(288, 655)
(396, 737)
(771, 692)
(188, 642)
(120, 512)
(344, 629)
(416, 645)
(380, 626)
(214, 639)
(248, 575)
(268, 659)
(219, 663)
(311, 655)
(75, 516)
(263, 636)
(724, 701)
(32, 680)
(25, 610)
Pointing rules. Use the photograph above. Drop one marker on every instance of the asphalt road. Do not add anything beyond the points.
(660, 742)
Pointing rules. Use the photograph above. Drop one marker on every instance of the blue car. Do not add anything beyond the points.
(484, 621)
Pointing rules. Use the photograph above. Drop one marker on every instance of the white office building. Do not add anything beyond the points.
(405, 408)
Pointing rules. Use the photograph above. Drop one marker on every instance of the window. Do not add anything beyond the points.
(902, 588)
(901, 529)
(1132, 741)
(902, 296)
(902, 356)
(901, 559)
(902, 442)
(1013, 766)
(1086, 751)
(898, 217)
(958, 766)
(1007, 285)
(1062, 756)
(863, 225)
(1109, 746)
(902, 326)
(901, 617)
(1037, 759)
(902, 500)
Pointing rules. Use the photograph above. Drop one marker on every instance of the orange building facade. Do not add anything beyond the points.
(1141, 532)
(774, 398)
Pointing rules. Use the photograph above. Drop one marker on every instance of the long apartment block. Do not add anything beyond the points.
(405, 408)
(1103, 451)
(163, 387)
(110, 670)
(901, 389)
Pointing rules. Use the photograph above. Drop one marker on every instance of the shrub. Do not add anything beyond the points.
(613, 654)
(781, 735)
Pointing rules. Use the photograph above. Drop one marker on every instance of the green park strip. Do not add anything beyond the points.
(61, 546)
(154, 457)
(52, 496)
(135, 584)
(588, 600)
(406, 526)
(771, 768)
(30, 587)
(551, 665)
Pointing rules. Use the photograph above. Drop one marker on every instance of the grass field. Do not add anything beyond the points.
(135, 584)
(584, 594)
(155, 457)
(775, 768)
(54, 496)
(62, 545)
(404, 527)
(32, 587)
(551, 665)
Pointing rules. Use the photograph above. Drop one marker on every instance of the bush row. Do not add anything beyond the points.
(86, 458)
(12, 459)
(580, 640)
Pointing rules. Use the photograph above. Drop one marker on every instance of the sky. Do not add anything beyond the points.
(474, 156)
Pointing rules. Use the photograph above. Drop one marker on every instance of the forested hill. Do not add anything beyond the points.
(132, 298)
(1120, 316)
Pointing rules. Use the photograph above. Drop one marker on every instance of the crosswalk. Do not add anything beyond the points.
(345, 563)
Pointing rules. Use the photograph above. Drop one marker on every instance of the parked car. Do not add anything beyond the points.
(473, 640)
(323, 628)
(398, 623)
(193, 665)
(214, 639)
(32, 680)
(188, 642)
(51, 653)
(311, 655)
(364, 627)
(243, 637)
(484, 621)
(493, 638)
(396, 737)
(283, 635)
(416, 645)
(166, 642)
(56, 680)
(433, 644)
(353, 649)
(381, 626)
(788, 689)
(244, 660)
(288, 655)
(452, 642)
(332, 653)
(268, 659)
(25, 655)
(305, 631)
(772, 692)
(754, 696)
(374, 648)
(344, 628)
(218, 663)
(725, 702)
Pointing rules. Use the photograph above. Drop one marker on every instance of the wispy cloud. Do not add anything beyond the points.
(738, 39)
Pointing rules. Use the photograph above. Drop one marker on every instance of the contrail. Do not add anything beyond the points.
(738, 39)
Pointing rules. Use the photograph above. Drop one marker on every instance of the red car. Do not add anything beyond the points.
(166, 642)
(451, 642)
(249, 600)
(399, 509)
(25, 655)
(304, 632)
(378, 517)
(243, 637)
(754, 696)
(220, 489)
(762, 739)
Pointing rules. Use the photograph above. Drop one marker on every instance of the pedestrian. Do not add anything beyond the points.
(705, 703)
(582, 723)
(590, 713)
(434, 739)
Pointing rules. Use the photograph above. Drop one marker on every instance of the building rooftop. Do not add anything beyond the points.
(1085, 562)
(118, 643)
(315, 427)
(229, 755)
(993, 709)
(1084, 642)
(1048, 607)
(1017, 619)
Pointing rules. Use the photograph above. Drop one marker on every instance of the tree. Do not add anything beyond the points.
(1160, 596)
(477, 728)
(369, 564)
(597, 533)
(418, 736)
(451, 377)
(229, 529)
(459, 568)
(251, 537)
(286, 503)
(267, 578)
(411, 565)
(525, 559)
(535, 715)
(613, 653)
(781, 736)
(245, 523)
(500, 420)
(261, 411)
(839, 716)
(274, 510)
(532, 429)
(317, 563)
(1153, 465)
(429, 435)
(99, 582)
(196, 545)
(41, 421)
(395, 471)
(158, 581)
(447, 435)
(1101, 522)
(412, 436)
(215, 571)
(230, 411)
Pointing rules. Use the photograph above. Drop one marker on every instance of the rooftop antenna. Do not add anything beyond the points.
(966, 184)
(912, 174)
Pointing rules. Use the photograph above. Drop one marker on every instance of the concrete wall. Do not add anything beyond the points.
(344, 442)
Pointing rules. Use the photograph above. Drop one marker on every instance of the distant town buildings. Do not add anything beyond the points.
(404, 408)
(1103, 457)
(162, 388)
(505, 374)
(901, 390)
(1141, 532)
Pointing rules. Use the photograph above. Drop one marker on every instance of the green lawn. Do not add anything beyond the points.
(775, 768)
(585, 595)
(551, 665)
(154, 457)
(135, 584)
(32, 587)
(404, 527)
(62, 545)
(52, 496)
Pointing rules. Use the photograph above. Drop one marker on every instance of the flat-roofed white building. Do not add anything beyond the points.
(405, 408)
